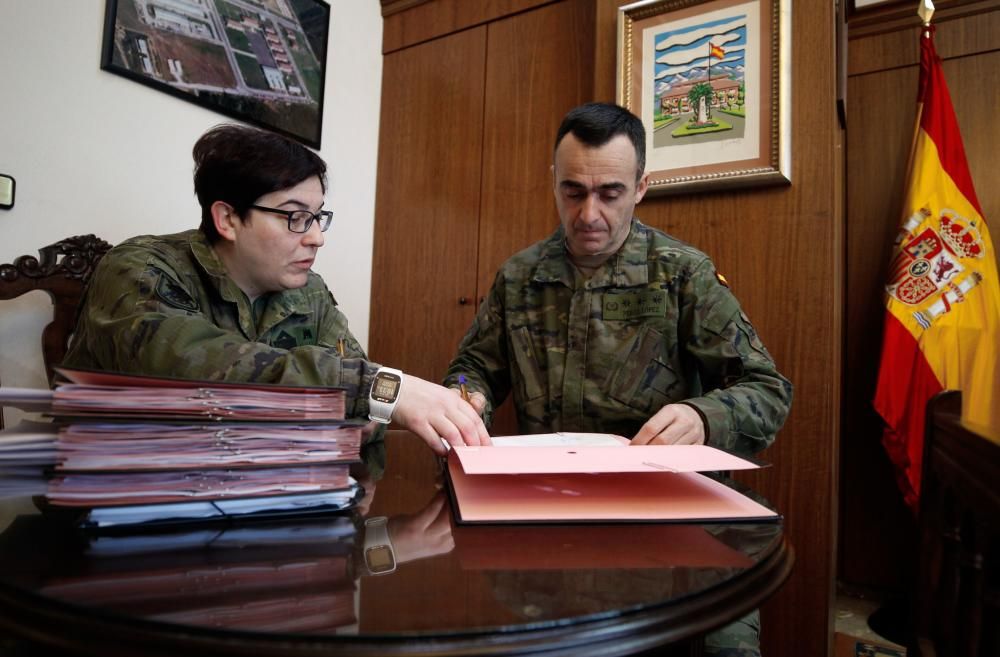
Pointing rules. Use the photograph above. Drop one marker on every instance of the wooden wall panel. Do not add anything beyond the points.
(782, 251)
(874, 520)
(956, 37)
(530, 86)
(877, 530)
(423, 21)
(427, 201)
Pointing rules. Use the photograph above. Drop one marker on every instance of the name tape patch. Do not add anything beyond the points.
(632, 305)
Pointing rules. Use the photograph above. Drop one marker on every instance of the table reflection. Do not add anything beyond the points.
(283, 577)
(304, 581)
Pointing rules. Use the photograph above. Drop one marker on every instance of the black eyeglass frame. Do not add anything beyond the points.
(324, 217)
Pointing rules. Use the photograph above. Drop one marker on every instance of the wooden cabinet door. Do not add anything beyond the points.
(427, 202)
(539, 65)
(465, 146)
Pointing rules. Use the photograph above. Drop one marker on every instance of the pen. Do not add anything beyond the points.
(465, 391)
(340, 346)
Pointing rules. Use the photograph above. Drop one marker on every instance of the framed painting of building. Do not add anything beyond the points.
(710, 80)
(259, 61)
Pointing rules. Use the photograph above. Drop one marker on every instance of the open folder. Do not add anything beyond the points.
(582, 483)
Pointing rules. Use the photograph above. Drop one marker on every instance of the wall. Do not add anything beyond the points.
(93, 152)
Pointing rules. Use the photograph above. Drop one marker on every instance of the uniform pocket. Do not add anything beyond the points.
(644, 381)
(527, 364)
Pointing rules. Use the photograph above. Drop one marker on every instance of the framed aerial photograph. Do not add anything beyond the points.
(259, 61)
(710, 80)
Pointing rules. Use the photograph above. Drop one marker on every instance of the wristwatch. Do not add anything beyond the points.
(385, 392)
(379, 557)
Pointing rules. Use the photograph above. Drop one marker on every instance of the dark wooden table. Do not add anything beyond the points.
(302, 588)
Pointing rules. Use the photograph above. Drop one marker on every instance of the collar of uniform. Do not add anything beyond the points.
(627, 267)
(287, 303)
(630, 266)
(553, 264)
(211, 264)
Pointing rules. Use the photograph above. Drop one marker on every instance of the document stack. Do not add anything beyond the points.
(136, 449)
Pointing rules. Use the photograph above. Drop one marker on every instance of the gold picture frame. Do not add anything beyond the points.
(690, 69)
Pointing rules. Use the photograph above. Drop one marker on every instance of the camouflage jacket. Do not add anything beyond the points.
(654, 325)
(163, 305)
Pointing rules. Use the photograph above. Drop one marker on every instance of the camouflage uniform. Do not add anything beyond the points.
(654, 325)
(164, 305)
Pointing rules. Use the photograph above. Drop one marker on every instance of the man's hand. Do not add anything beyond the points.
(477, 399)
(674, 424)
(433, 413)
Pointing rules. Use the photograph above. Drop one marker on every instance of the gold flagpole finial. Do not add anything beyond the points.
(925, 11)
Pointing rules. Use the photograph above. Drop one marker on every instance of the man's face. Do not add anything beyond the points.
(596, 193)
(267, 257)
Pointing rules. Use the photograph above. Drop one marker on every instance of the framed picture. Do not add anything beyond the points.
(887, 8)
(259, 61)
(710, 80)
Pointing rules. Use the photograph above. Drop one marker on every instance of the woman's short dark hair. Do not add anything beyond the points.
(595, 124)
(237, 164)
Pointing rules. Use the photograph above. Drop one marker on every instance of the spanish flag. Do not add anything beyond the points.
(942, 325)
(715, 51)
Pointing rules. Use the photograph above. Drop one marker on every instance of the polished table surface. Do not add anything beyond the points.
(302, 588)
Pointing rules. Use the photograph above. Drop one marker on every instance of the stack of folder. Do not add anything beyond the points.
(137, 449)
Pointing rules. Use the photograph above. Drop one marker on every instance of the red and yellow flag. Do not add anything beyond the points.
(942, 325)
(715, 51)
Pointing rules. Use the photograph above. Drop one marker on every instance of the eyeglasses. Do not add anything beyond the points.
(300, 221)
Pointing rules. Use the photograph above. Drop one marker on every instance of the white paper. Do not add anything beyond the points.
(560, 439)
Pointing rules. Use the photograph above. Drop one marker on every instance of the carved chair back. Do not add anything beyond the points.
(61, 270)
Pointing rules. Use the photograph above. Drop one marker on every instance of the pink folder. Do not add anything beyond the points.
(107, 394)
(575, 459)
(658, 483)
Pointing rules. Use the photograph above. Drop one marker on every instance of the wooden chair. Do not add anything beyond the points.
(958, 585)
(61, 270)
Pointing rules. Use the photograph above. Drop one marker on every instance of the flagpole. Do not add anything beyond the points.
(709, 44)
(925, 10)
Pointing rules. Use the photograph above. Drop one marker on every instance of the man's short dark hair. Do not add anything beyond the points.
(237, 164)
(595, 124)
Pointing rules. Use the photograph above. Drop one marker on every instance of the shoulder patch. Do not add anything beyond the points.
(721, 279)
(172, 294)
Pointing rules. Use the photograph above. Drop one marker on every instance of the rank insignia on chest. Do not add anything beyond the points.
(632, 305)
(294, 336)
